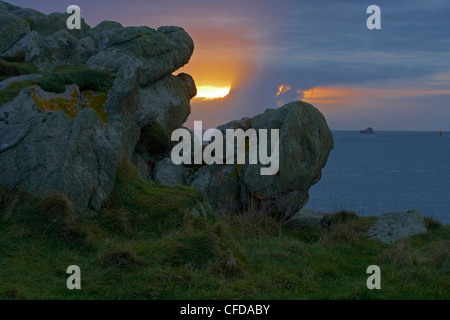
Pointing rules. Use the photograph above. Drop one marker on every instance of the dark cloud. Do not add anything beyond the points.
(305, 44)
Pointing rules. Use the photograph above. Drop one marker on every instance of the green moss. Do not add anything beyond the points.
(155, 139)
(9, 93)
(51, 84)
(86, 79)
(13, 68)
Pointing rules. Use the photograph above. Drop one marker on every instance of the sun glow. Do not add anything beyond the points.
(209, 92)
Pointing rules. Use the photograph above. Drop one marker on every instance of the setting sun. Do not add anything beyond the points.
(209, 92)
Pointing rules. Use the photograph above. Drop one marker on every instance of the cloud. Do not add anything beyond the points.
(283, 89)
(254, 46)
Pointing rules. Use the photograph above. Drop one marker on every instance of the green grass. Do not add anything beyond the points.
(15, 67)
(145, 244)
(9, 93)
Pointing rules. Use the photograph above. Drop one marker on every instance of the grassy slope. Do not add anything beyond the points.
(145, 245)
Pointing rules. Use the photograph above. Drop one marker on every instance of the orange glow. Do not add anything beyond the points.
(223, 57)
(355, 96)
(210, 92)
(283, 89)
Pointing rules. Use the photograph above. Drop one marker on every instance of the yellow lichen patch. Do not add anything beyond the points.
(72, 105)
(96, 102)
(68, 105)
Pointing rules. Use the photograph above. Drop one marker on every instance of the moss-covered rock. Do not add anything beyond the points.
(304, 145)
(71, 102)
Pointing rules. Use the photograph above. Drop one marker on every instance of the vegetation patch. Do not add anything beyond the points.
(9, 93)
(14, 66)
(86, 79)
(147, 244)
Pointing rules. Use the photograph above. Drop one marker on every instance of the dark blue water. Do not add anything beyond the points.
(386, 172)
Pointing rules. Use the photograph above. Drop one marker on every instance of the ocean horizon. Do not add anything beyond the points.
(388, 171)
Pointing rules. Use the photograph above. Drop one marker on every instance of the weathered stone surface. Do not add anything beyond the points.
(155, 53)
(44, 39)
(170, 110)
(42, 154)
(106, 25)
(31, 46)
(58, 49)
(76, 156)
(305, 143)
(169, 174)
(95, 33)
(220, 187)
(12, 29)
(394, 226)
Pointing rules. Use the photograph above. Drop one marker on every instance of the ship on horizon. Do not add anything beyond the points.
(367, 131)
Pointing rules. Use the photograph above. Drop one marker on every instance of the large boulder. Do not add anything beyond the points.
(394, 226)
(305, 143)
(73, 142)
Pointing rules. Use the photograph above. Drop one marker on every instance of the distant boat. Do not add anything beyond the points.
(440, 133)
(367, 131)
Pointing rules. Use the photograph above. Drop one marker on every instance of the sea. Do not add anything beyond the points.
(389, 171)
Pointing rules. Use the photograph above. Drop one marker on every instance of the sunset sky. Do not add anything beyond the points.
(267, 53)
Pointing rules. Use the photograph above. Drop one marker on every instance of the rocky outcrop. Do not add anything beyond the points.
(305, 143)
(394, 226)
(72, 142)
(13, 28)
(154, 52)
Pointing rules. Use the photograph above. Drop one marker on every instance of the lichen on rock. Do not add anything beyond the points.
(71, 140)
